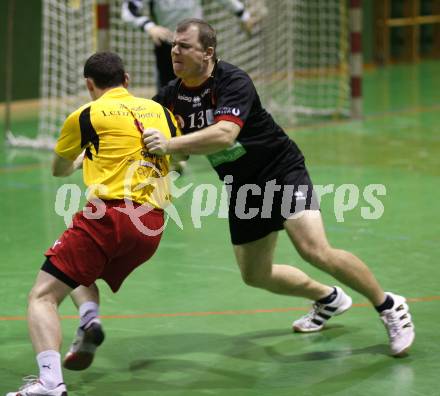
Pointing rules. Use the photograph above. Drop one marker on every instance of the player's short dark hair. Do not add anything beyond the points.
(106, 69)
(207, 34)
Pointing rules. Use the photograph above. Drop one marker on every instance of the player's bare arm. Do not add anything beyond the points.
(212, 139)
(159, 34)
(62, 167)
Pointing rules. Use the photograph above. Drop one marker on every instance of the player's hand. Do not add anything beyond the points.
(155, 142)
(160, 34)
(247, 26)
(252, 17)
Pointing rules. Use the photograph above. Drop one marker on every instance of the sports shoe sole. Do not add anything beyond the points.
(62, 394)
(403, 352)
(340, 311)
(83, 359)
(20, 392)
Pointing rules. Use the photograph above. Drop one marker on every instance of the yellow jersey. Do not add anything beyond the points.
(116, 163)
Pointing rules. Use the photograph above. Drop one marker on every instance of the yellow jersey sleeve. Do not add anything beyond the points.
(68, 145)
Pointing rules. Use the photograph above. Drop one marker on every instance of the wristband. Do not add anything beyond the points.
(148, 25)
(245, 16)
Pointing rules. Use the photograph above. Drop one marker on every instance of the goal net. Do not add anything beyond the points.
(298, 56)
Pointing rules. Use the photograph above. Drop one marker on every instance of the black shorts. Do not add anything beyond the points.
(256, 210)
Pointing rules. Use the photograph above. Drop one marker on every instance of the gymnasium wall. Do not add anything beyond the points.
(26, 48)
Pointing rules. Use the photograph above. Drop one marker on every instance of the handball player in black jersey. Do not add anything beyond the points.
(221, 116)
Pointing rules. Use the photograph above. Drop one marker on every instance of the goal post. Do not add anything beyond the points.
(304, 56)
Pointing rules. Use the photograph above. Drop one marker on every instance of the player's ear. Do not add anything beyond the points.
(209, 53)
(92, 88)
(126, 80)
(90, 85)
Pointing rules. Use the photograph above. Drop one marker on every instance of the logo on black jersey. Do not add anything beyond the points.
(205, 92)
(227, 111)
(184, 97)
(197, 102)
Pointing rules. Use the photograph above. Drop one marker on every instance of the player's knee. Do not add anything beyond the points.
(252, 281)
(319, 256)
(33, 295)
(39, 294)
(254, 278)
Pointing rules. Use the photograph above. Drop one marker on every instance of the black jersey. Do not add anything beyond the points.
(262, 150)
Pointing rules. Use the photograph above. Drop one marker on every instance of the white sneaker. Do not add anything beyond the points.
(399, 325)
(321, 313)
(83, 348)
(33, 387)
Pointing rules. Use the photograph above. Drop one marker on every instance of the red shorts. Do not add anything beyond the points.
(109, 248)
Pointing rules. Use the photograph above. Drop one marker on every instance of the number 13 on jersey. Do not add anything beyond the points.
(200, 119)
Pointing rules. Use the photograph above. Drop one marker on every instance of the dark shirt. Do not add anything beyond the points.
(262, 150)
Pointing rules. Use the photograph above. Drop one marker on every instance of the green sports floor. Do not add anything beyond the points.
(184, 324)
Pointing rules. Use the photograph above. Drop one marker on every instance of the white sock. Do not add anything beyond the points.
(89, 312)
(49, 363)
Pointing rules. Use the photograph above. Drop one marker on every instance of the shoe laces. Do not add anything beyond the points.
(28, 381)
(316, 309)
(393, 320)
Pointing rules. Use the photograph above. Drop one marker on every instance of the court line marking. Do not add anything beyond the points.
(211, 313)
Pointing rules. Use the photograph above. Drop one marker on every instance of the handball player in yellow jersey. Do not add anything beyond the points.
(105, 138)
